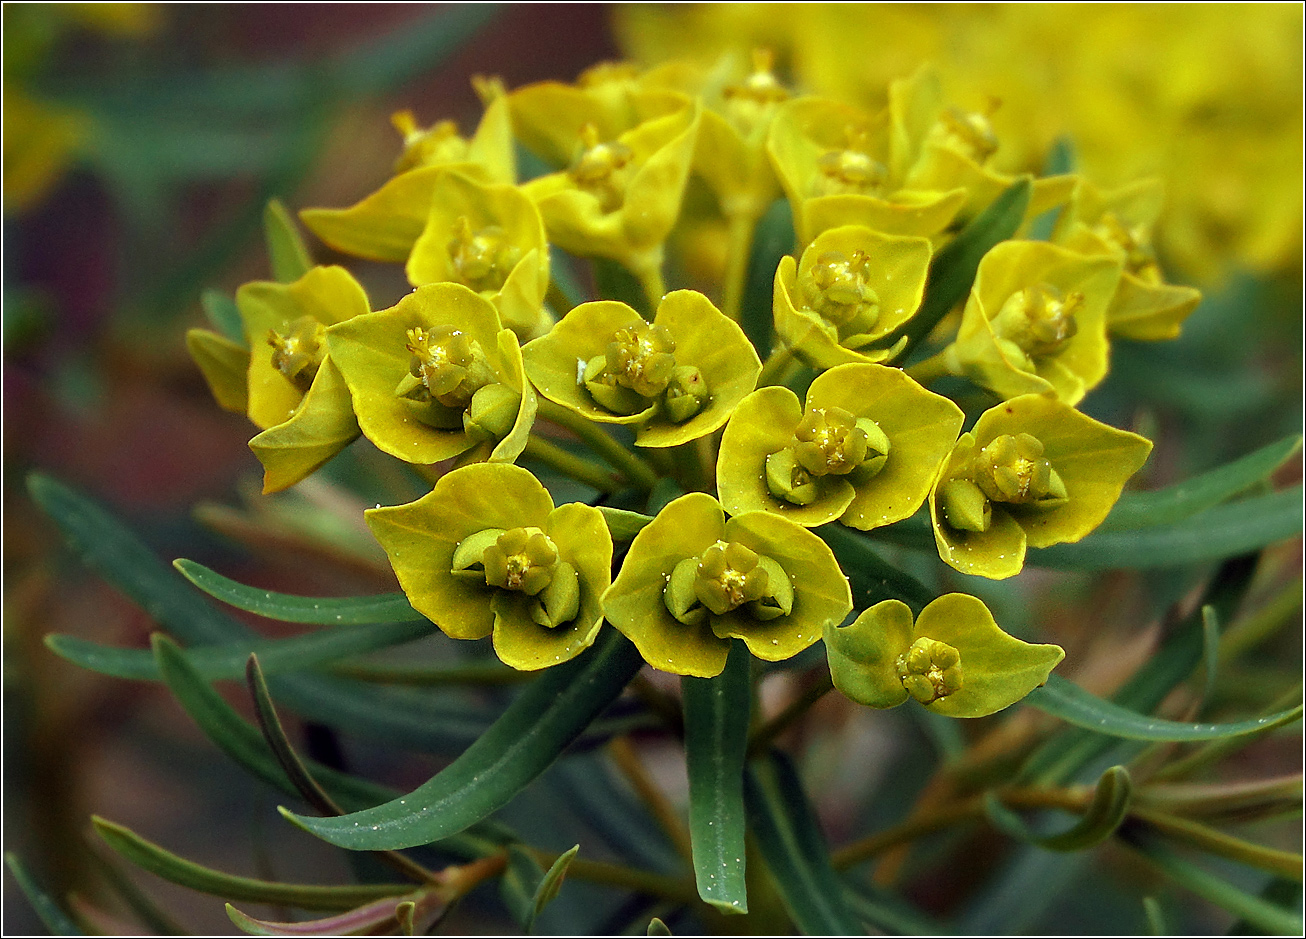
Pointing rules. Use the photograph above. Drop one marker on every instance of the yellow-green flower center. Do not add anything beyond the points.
(1133, 244)
(639, 368)
(750, 104)
(450, 374)
(525, 561)
(1012, 469)
(851, 170)
(298, 350)
(725, 577)
(833, 441)
(601, 168)
(970, 133)
(841, 292)
(1035, 322)
(930, 670)
(481, 259)
(429, 146)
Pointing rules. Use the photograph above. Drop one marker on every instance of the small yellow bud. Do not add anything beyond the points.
(930, 670)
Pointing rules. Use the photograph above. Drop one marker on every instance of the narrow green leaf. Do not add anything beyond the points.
(55, 919)
(1220, 532)
(870, 577)
(1182, 500)
(1155, 918)
(178, 870)
(952, 272)
(772, 239)
(657, 928)
(1210, 651)
(1066, 700)
(288, 608)
(1262, 913)
(553, 711)
(298, 653)
(1281, 892)
(1110, 805)
(886, 910)
(403, 716)
(791, 842)
(550, 884)
(716, 745)
(223, 313)
(1180, 651)
(286, 249)
(622, 524)
(275, 737)
(521, 880)
(143, 906)
(366, 920)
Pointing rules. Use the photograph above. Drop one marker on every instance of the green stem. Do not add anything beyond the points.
(1197, 835)
(615, 875)
(930, 370)
(637, 472)
(578, 468)
(648, 271)
(777, 725)
(776, 367)
(739, 250)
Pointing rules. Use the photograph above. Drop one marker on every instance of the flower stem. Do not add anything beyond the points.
(637, 472)
(930, 370)
(578, 468)
(739, 250)
(776, 367)
(615, 875)
(777, 725)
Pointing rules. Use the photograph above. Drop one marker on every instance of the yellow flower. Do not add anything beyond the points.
(385, 225)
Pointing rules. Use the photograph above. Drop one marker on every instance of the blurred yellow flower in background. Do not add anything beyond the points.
(1207, 96)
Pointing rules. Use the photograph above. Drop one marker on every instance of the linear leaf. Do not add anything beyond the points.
(795, 850)
(1223, 531)
(298, 653)
(716, 745)
(223, 313)
(953, 269)
(1066, 700)
(1111, 799)
(550, 884)
(1177, 502)
(289, 608)
(55, 919)
(1274, 919)
(178, 870)
(405, 717)
(553, 711)
(886, 910)
(517, 887)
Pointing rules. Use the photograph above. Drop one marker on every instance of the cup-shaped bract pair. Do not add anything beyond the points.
(487, 553)
(954, 659)
(841, 166)
(851, 287)
(491, 239)
(864, 450)
(1118, 223)
(437, 376)
(295, 393)
(385, 225)
(621, 196)
(675, 379)
(1033, 471)
(693, 581)
(1035, 321)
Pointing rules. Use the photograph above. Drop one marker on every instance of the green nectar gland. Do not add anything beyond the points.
(601, 169)
(930, 670)
(298, 350)
(482, 259)
(1035, 322)
(851, 171)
